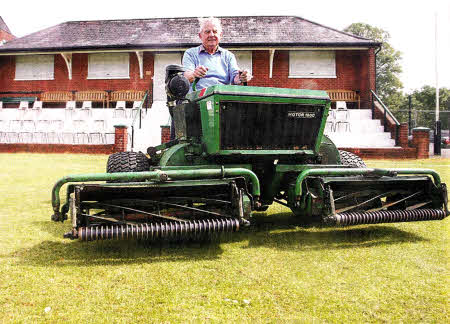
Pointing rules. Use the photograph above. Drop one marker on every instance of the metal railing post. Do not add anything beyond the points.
(132, 137)
(372, 106)
(409, 115)
(397, 130)
(385, 119)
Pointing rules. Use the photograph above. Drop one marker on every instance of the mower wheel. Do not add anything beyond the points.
(127, 162)
(351, 160)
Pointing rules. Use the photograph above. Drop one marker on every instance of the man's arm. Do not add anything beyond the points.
(193, 71)
(199, 72)
(238, 76)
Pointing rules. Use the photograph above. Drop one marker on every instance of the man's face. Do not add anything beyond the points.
(210, 35)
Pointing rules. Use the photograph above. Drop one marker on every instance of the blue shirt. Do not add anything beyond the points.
(222, 65)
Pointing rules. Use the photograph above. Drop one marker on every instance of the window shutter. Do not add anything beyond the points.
(312, 64)
(35, 67)
(109, 66)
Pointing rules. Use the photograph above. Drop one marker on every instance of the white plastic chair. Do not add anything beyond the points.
(133, 111)
(98, 133)
(341, 105)
(26, 135)
(55, 132)
(69, 112)
(120, 110)
(37, 105)
(87, 105)
(41, 133)
(70, 105)
(3, 130)
(13, 130)
(81, 132)
(24, 105)
(331, 121)
(341, 116)
(136, 104)
(86, 110)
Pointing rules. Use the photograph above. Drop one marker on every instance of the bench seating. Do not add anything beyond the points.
(17, 100)
(92, 95)
(56, 96)
(344, 95)
(127, 95)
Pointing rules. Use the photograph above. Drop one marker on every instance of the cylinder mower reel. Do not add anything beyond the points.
(239, 149)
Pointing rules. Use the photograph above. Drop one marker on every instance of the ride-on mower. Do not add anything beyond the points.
(238, 149)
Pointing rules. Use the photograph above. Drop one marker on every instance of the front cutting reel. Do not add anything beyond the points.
(166, 209)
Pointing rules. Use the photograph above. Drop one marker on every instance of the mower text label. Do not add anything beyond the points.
(301, 114)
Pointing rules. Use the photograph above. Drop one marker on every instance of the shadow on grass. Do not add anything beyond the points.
(285, 231)
(77, 253)
(278, 231)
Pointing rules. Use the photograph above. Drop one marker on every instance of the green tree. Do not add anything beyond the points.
(423, 102)
(388, 64)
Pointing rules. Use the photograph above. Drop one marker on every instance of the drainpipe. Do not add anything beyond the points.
(374, 90)
(379, 49)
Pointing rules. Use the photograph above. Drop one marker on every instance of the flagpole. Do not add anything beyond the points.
(437, 128)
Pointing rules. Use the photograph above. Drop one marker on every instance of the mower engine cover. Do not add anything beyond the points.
(177, 86)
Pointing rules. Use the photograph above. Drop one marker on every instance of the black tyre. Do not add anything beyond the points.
(127, 162)
(351, 160)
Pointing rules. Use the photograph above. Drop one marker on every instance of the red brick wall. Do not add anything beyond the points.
(384, 153)
(403, 135)
(352, 73)
(353, 69)
(120, 145)
(420, 146)
(421, 141)
(120, 138)
(165, 134)
(57, 148)
(79, 80)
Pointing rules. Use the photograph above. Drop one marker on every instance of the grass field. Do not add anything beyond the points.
(273, 272)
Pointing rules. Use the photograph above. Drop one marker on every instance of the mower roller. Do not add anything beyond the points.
(238, 149)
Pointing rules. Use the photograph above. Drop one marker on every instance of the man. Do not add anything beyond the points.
(211, 63)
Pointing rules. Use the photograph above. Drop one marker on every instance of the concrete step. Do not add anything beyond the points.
(368, 140)
(150, 132)
(361, 131)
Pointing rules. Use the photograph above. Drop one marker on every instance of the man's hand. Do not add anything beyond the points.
(242, 76)
(199, 72)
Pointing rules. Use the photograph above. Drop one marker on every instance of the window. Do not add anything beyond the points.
(109, 66)
(35, 67)
(312, 64)
(244, 60)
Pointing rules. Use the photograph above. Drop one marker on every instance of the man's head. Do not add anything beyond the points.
(210, 33)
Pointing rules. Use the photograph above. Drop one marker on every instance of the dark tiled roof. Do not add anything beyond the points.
(4, 27)
(254, 31)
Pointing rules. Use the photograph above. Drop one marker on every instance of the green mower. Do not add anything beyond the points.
(239, 149)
